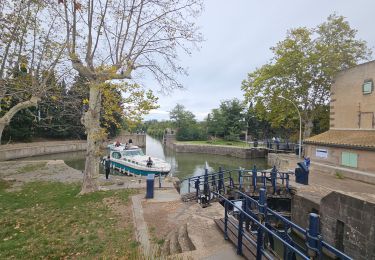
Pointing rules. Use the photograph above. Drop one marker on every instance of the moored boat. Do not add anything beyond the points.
(130, 159)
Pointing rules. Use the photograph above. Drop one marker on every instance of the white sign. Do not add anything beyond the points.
(238, 203)
(321, 153)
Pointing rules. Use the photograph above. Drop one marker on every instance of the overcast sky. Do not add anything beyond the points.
(238, 35)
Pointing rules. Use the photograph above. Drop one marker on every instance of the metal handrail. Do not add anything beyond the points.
(263, 228)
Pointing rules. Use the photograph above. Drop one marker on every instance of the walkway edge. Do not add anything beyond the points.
(140, 224)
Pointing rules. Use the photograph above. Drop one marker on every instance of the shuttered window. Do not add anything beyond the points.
(349, 159)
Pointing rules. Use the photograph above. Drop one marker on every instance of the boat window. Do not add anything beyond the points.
(132, 152)
(116, 155)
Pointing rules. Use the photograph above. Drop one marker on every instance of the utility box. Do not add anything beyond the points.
(302, 173)
(150, 186)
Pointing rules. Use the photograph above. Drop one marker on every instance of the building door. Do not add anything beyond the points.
(367, 120)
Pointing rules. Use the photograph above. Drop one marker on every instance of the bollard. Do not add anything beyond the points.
(159, 180)
(312, 235)
(254, 175)
(189, 185)
(273, 178)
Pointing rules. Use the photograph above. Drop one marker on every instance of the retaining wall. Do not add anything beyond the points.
(245, 153)
(10, 152)
(137, 139)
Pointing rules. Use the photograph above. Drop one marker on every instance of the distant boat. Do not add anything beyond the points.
(129, 159)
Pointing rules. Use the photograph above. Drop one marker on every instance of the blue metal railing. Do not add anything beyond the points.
(259, 214)
(219, 181)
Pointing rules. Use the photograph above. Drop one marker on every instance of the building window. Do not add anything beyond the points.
(349, 159)
(367, 87)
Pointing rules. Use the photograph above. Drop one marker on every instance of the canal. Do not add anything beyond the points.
(183, 164)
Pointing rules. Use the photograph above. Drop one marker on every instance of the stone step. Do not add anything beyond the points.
(174, 245)
(184, 240)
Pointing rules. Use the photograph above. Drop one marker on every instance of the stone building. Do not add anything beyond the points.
(348, 148)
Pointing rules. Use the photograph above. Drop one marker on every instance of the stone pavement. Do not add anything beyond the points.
(166, 213)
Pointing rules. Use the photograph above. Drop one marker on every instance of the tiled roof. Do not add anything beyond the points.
(357, 139)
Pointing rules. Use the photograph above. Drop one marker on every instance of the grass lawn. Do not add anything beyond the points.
(49, 220)
(218, 142)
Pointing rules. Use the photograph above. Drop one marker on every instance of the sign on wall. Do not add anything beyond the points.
(321, 153)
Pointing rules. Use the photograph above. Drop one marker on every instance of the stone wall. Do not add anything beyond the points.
(137, 139)
(283, 162)
(10, 152)
(245, 153)
(301, 208)
(348, 223)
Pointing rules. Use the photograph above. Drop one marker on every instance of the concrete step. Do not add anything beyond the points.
(184, 240)
(174, 245)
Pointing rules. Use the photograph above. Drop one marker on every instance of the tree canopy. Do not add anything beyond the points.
(302, 70)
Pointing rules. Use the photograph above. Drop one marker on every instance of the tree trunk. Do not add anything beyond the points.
(308, 128)
(91, 121)
(2, 126)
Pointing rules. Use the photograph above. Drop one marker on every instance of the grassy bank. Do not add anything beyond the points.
(49, 220)
(217, 142)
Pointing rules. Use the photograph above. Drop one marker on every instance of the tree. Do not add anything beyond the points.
(29, 53)
(181, 117)
(228, 120)
(302, 70)
(107, 41)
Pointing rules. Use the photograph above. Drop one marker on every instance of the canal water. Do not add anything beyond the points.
(183, 164)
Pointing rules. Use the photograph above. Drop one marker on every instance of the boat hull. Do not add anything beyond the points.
(127, 169)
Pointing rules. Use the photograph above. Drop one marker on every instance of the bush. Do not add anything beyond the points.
(191, 133)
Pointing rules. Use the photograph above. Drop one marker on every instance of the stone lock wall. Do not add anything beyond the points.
(356, 216)
(10, 152)
(245, 153)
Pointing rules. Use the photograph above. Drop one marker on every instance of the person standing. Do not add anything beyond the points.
(107, 167)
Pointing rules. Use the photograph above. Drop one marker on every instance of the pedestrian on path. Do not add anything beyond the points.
(107, 167)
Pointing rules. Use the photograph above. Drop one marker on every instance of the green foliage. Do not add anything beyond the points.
(339, 175)
(190, 133)
(181, 117)
(302, 70)
(50, 220)
(228, 121)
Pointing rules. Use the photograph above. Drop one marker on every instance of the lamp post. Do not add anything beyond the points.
(300, 125)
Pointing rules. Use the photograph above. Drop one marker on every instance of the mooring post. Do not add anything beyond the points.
(273, 178)
(254, 175)
(189, 180)
(287, 182)
(262, 213)
(206, 187)
(159, 180)
(313, 238)
(226, 220)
